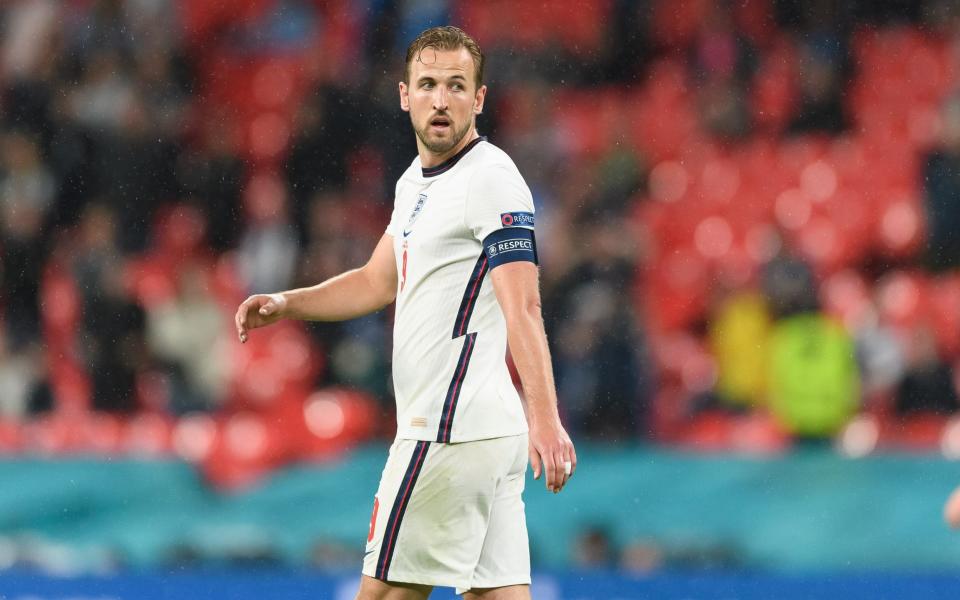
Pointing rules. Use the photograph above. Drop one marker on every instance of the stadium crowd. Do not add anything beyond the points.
(747, 215)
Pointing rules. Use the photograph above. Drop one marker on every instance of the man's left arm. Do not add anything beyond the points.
(516, 285)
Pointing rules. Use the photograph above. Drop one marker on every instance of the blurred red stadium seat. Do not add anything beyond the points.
(902, 298)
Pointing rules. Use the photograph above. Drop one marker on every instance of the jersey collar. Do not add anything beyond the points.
(448, 164)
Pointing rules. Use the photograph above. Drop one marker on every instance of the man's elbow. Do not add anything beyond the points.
(525, 315)
(532, 308)
(387, 297)
(383, 291)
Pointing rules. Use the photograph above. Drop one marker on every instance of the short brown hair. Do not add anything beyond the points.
(446, 37)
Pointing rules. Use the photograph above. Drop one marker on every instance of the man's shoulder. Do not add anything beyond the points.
(491, 161)
(411, 174)
(492, 155)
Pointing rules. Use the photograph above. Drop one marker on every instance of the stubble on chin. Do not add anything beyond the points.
(441, 146)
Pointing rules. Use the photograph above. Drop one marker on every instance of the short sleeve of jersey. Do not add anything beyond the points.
(498, 198)
(393, 227)
(500, 215)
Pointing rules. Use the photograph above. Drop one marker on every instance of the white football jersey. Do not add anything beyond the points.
(450, 225)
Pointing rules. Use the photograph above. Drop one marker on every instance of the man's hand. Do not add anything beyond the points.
(258, 311)
(550, 452)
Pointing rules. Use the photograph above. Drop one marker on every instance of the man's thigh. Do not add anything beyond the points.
(435, 507)
(509, 592)
(374, 589)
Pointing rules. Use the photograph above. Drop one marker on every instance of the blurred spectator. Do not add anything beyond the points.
(928, 386)
(941, 179)
(24, 389)
(642, 557)
(599, 352)
(29, 28)
(821, 96)
(723, 109)
(723, 63)
(212, 173)
(268, 249)
(354, 347)
(593, 549)
(102, 27)
(814, 381)
(105, 93)
(789, 286)
(625, 45)
(28, 187)
(822, 49)
(111, 337)
(739, 338)
(536, 142)
(327, 128)
(144, 179)
(254, 556)
(27, 191)
(161, 88)
(880, 358)
(646, 556)
(620, 173)
(187, 332)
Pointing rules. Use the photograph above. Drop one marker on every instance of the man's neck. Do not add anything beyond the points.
(429, 159)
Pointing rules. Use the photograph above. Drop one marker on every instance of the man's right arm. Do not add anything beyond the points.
(352, 294)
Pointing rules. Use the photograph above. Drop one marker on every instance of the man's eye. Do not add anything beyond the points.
(426, 85)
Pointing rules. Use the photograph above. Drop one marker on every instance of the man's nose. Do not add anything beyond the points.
(440, 98)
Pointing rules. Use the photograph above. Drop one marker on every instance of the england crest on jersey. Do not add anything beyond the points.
(416, 213)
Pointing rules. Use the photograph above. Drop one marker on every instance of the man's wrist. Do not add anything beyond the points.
(542, 416)
(281, 301)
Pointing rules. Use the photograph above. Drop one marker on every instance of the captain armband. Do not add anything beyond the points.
(510, 245)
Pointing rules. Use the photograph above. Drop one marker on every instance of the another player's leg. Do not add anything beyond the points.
(509, 592)
(374, 589)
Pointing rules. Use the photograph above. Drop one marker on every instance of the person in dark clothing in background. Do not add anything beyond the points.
(941, 180)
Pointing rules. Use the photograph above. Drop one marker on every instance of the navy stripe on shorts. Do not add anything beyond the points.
(392, 532)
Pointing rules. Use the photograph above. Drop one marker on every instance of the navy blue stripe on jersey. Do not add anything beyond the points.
(470, 296)
(390, 534)
(510, 245)
(453, 392)
(448, 164)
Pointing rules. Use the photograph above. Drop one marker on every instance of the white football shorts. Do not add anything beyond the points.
(451, 515)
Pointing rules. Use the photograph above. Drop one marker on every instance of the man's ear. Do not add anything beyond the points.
(404, 97)
(478, 101)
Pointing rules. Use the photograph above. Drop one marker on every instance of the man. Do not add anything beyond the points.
(459, 258)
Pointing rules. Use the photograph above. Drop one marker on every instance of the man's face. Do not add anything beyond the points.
(442, 97)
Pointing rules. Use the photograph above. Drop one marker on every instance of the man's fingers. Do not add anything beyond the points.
(268, 308)
(535, 462)
(243, 318)
(560, 477)
(566, 469)
(241, 321)
(550, 468)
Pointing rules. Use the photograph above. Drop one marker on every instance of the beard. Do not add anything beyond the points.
(443, 145)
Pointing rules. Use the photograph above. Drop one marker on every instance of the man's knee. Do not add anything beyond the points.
(374, 589)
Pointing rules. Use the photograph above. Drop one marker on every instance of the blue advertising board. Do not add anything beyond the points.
(285, 585)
